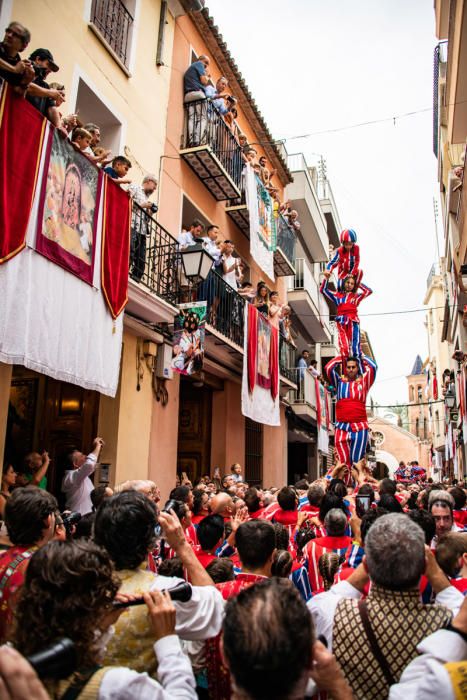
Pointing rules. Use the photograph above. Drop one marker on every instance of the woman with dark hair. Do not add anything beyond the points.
(75, 583)
(200, 506)
(261, 300)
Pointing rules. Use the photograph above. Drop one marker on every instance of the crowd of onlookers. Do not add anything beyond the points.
(272, 592)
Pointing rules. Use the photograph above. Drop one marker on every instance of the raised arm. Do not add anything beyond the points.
(333, 262)
(369, 374)
(363, 292)
(333, 370)
(324, 289)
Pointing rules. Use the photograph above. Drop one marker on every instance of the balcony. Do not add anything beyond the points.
(211, 151)
(112, 22)
(304, 198)
(154, 288)
(308, 304)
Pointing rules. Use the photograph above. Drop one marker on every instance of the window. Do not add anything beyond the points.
(412, 394)
(253, 452)
(114, 21)
(417, 427)
(91, 109)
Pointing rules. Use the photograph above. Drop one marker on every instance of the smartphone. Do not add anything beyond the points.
(362, 504)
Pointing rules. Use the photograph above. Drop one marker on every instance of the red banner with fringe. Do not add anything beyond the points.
(22, 130)
(115, 255)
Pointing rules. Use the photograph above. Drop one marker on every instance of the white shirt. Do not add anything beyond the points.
(425, 678)
(230, 277)
(323, 606)
(77, 486)
(211, 247)
(174, 672)
(198, 618)
(186, 239)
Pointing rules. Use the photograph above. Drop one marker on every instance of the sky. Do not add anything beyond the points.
(313, 66)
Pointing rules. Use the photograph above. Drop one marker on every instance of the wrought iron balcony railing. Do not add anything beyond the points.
(154, 257)
(114, 23)
(211, 150)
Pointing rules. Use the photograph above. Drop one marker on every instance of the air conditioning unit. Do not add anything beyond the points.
(163, 362)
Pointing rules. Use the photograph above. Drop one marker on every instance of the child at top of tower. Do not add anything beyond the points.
(346, 259)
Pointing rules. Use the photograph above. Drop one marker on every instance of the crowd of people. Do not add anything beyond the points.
(232, 590)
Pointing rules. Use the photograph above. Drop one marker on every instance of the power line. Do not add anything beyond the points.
(410, 405)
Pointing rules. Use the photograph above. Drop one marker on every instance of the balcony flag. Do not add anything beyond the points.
(69, 206)
(260, 379)
(262, 221)
(115, 246)
(188, 343)
(322, 416)
(22, 130)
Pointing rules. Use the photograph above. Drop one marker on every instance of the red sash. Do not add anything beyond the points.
(350, 411)
(349, 310)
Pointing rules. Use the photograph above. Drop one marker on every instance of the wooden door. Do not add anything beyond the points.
(194, 430)
(68, 420)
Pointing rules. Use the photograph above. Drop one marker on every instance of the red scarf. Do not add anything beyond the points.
(350, 411)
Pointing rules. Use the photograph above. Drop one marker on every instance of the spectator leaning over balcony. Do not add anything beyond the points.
(13, 68)
(218, 94)
(81, 138)
(193, 236)
(91, 151)
(118, 170)
(44, 98)
(266, 175)
(140, 224)
(195, 79)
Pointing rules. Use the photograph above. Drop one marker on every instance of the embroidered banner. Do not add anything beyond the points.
(21, 139)
(115, 246)
(262, 222)
(67, 220)
(260, 380)
(188, 342)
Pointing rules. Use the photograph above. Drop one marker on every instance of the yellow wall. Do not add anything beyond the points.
(164, 436)
(5, 381)
(141, 100)
(125, 421)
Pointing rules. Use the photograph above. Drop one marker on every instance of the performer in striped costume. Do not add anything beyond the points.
(346, 259)
(351, 436)
(348, 323)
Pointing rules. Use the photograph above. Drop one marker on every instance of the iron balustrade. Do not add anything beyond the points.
(225, 307)
(114, 22)
(287, 359)
(286, 238)
(205, 126)
(154, 257)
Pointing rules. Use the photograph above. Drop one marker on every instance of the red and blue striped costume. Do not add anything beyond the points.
(346, 261)
(351, 436)
(348, 323)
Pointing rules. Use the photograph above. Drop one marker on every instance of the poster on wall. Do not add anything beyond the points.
(188, 340)
(322, 417)
(260, 379)
(66, 228)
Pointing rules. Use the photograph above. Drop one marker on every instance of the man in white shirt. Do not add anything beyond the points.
(140, 229)
(76, 484)
(191, 237)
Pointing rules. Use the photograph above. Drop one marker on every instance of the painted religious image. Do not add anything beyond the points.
(70, 203)
(264, 347)
(188, 344)
(267, 223)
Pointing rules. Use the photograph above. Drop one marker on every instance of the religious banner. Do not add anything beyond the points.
(67, 221)
(115, 258)
(322, 416)
(188, 341)
(260, 380)
(262, 221)
(22, 130)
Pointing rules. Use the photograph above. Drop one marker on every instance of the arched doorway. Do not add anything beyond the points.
(388, 461)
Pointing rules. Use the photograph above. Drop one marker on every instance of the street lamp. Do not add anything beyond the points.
(450, 399)
(196, 262)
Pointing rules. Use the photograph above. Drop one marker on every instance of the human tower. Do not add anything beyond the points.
(351, 373)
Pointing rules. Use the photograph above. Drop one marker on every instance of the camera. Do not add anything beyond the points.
(70, 519)
(153, 208)
(170, 505)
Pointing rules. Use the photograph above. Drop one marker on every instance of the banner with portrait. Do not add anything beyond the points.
(188, 339)
(260, 379)
(67, 219)
(322, 416)
(262, 221)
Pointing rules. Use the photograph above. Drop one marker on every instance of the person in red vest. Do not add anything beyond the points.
(254, 503)
(460, 511)
(200, 506)
(287, 512)
(315, 495)
(335, 524)
(210, 535)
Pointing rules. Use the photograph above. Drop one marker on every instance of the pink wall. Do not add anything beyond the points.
(164, 436)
